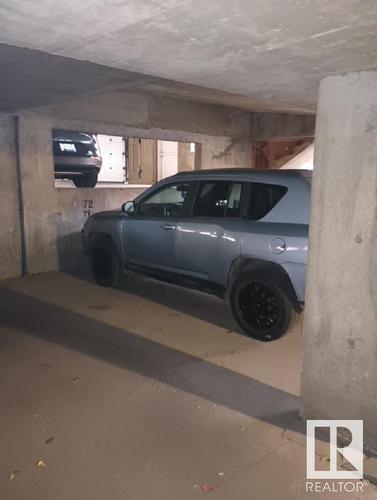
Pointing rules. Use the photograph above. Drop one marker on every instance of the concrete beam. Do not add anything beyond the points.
(153, 114)
(276, 126)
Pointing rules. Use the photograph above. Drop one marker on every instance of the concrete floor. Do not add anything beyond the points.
(145, 392)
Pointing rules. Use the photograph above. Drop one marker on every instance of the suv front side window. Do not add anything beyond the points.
(218, 199)
(166, 202)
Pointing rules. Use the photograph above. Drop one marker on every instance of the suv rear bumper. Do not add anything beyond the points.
(64, 165)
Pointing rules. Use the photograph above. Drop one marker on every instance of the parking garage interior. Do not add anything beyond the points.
(149, 390)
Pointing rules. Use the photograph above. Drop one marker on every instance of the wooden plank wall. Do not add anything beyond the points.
(141, 161)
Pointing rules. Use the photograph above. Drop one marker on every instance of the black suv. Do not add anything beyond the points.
(76, 157)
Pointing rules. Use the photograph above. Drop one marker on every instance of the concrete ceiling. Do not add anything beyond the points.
(268, 55)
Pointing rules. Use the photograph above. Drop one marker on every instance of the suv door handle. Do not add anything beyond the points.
(167, 226)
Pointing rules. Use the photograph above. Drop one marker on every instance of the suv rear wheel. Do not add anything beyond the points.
(86, 180)
(105, 263)
(260, 306)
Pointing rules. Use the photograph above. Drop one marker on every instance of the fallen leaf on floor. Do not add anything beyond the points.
(220, 474)
(75, 380)
(13, 474)
(207, 487)
(229, 331)
(49, 440)
(41, 463)
(46, 365)
(167, 330)
(100, 307)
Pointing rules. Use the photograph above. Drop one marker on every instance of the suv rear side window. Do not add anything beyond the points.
(218, 199)
(263, 198)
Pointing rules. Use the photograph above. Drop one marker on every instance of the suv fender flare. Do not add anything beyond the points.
(271, 269)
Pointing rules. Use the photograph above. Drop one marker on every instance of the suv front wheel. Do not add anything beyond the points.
(105, 263)
(260, 306)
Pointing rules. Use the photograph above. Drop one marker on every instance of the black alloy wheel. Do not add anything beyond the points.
(261, 306)
(105, 264)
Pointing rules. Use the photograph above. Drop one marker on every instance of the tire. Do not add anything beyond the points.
(86, 180)
(105, 263)
(260, 306)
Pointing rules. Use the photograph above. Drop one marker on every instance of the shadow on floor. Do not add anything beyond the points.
(200, 305)
(149, 359)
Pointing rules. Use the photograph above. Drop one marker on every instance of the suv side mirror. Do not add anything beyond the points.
(128, 207)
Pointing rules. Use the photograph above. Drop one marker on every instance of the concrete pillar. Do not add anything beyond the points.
(10, 233)
(340, 328)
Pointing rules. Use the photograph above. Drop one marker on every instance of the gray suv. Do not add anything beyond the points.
(239, 233)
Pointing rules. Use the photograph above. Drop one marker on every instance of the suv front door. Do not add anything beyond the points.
(149, 234)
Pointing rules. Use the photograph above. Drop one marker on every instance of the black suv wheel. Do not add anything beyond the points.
(105, 263)
(260, 306)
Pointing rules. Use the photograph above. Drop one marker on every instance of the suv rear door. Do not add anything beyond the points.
(209, 238)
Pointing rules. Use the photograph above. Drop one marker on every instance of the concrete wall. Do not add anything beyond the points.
(10, 241)
(54, 217)
(72, 207)
(278, 126)
(223, 133)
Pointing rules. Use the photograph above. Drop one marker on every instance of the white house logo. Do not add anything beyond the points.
(351, 454)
